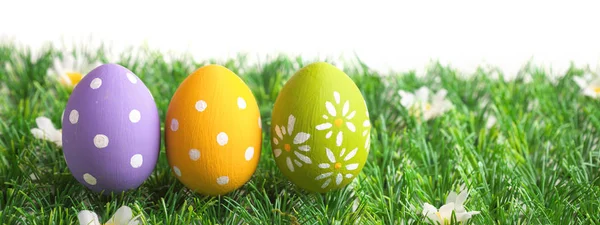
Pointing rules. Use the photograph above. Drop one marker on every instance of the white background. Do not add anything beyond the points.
(386, 35)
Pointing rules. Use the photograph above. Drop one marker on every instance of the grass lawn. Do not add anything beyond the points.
(538, 164)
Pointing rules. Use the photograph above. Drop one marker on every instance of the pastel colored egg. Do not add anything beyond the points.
(111, 130)
(320, 129)
(213, 133)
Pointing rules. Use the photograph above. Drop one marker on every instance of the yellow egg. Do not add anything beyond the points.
(213, 131)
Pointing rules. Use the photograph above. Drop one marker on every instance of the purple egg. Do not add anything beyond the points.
(111, 130)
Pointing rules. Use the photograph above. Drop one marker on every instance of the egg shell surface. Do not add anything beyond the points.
(111, 130)
(214, 131)
(320, 129)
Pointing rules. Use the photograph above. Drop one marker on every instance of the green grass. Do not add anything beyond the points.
(540, 164)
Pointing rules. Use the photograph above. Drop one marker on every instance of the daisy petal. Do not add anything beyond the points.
(291, 121)
(350, 126)
(298, 163)
(330, 155)
(323, 176)
(351, 115)
(328, 135)
(330, 108)
(324, 165)
(304, 158)
(338, 179)
(366, 123)
(323, 126)
(301, 138)
(278, 131)
(326, 183)
(304, 148)
(352, 166)
(351, 154)
(339, 139)
(288, 161)
(336, 95)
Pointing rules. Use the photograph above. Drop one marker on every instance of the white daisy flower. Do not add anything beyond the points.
(337, 119)
(69, 71)
(454, 202)
(296, 147)
(337, 169)
(46, 131)
(589, 85)
(123, 216)
(421, 104)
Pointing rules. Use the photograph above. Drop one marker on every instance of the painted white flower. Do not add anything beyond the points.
(46, 131)
(341, 167)
(454, 202)
(123, 216)
(296, 145)
(421, 104)
(589, 85)
(69, 71)
(366, 133)
(337, 119)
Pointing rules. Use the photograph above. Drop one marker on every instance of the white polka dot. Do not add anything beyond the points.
(249, 153)
(74, 116)
(177, 171)
(174, 124)
(223, 180)
(259, 123)
(135, 116)
(201, 105)
(96, 83)
(241, 103)
(91, 180)
(132, 78)
(136, 160)
(222, 138)
(194, 154)
(101, 141)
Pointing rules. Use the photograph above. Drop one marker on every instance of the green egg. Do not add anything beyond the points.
(320, 129)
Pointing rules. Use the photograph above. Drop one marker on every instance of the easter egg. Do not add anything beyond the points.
(213, 131)
(111, 130)
(320, 129)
